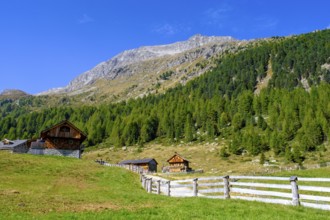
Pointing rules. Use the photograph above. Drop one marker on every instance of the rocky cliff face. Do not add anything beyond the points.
(149, 59)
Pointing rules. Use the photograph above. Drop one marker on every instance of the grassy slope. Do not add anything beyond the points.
(45, 187)
(201, 156)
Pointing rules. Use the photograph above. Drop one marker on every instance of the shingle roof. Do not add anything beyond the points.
(11, 145)
(176, 154)
(146, 160)
(61, 123)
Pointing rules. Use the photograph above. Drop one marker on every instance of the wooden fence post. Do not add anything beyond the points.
(226, 187)
(169, 188)
(143, 181)
(295, 193)
(147, 184)
(158, 187)
(150, 185)
(195, 187)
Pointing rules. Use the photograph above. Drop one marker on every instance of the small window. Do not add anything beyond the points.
(64, 129)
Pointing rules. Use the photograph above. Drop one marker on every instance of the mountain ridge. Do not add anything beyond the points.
(113, 67)
(13, 93)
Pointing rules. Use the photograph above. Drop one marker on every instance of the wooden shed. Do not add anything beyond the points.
(177, 163)
(148, 164)
(61, 139)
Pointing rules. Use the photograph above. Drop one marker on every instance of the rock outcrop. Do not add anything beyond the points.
(149, 59)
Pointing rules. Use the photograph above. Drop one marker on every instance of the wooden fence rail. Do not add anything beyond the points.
(279, 190)
(132, 168)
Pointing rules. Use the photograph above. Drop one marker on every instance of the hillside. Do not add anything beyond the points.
(119, 65)
(206, 157)
(289, 117)
(43, 187)
(141, 71)
(12, 94)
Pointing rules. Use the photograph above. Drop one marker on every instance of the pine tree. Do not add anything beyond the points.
(245, 104)
(235, 145)
(261, 123)
(288, 154)
(149, 129)
(262, 158)
(131, 133)
(116, 132)
(277, 143)
(189, 128)
(224, 120)
(297, 156)
(238, 122)
(311, 134)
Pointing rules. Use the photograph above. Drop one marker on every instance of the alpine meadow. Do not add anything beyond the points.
(221, 106)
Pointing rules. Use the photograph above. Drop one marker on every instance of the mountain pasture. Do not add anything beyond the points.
(47, 187)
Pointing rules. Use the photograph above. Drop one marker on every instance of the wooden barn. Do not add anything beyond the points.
(177, 163)
(148, 164)
(63, 139)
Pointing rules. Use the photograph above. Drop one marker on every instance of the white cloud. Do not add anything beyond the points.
(170, 29)
(166, 29)
(217, 16)
(85, 19)
(328, 26)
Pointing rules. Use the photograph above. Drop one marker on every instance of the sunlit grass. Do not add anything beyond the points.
(45, 187)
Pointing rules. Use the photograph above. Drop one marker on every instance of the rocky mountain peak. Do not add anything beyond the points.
(113, 67)
(202, 40)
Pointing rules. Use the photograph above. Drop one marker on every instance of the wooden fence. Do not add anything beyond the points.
(280, 190)
(130, 167)
(309, 192)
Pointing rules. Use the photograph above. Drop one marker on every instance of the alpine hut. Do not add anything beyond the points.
(177, 163)
(147, 164)
(62, 139)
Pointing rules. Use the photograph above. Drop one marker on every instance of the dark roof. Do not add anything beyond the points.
(65, 122)
(11, 145)
(176, 154)
(146, 160)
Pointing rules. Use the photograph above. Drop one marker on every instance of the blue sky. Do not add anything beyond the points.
(46, 43)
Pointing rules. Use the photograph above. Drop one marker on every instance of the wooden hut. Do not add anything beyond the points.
(177, 163)
(63, 139)
(148, 164)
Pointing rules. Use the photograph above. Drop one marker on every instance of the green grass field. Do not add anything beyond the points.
(44, 187)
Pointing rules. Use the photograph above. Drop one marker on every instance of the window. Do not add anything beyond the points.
(64, 129)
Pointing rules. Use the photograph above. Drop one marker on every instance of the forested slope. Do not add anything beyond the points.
(291, 116)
